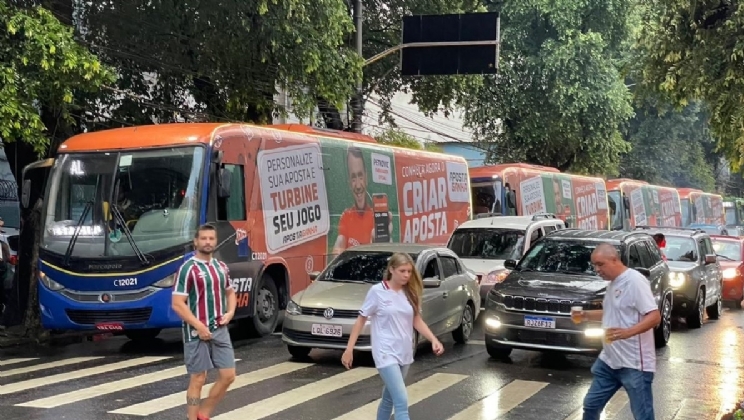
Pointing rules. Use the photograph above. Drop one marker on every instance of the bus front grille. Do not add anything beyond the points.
(124, 316)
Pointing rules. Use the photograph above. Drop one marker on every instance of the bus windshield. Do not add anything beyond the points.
(155, 196)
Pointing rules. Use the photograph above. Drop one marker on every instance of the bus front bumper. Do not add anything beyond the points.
(65, 309)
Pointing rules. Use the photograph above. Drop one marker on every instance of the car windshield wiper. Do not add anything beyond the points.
(128, 233)
(76, 233)
(344, 281)
(723, 256)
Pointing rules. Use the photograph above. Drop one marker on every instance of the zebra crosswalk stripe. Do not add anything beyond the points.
(45, 366)
(151, 407)
(289, 399)
(14, 361)
(106, 388)
(502, 401)
(61, 377)
(417, 392)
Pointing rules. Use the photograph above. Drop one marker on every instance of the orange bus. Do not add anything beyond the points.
(638, 203)
(701, 207)
(524, 189)
(122, 206)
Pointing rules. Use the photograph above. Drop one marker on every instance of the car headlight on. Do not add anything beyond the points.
(496, 276)
(730, 273)
(677, 279)
(493, 323)
(166, 282)
(49, 283)
(594, 332)
(293, 308)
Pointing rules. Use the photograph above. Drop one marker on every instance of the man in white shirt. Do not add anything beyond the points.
(629, 314)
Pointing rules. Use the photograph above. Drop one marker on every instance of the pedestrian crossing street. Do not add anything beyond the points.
(153, 387)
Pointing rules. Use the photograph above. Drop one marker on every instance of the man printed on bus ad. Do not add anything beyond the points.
(358, 224)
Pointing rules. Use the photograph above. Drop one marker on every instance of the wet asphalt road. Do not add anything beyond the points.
(699, 373)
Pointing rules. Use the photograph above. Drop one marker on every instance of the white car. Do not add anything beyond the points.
(485, 243)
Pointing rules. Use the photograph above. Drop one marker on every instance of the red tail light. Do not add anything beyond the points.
(13, 260)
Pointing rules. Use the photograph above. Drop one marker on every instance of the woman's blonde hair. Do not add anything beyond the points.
(415, 287)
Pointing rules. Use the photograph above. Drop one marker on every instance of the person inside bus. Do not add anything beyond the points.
(357, 223)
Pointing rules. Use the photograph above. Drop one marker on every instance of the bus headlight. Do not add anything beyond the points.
(676, 279)
(49, 283)
(166, 282)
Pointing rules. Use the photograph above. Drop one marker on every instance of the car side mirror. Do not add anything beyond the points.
(710, 259)
(645, 271)
(432, 283)
(314, 275)
(510, 264)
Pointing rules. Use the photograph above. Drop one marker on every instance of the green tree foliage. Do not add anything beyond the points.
(398, 137)
(230, 56)
(669, 147)
(41, 68)
(692, 51)
(559, 99)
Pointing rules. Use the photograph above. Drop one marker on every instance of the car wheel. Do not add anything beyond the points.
(664, 330)
(697, 314)
(497, 351)
(266, 305)
(715, 310)
(462, 334)
(298, 352)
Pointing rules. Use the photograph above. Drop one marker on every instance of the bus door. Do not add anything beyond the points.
(232, 171)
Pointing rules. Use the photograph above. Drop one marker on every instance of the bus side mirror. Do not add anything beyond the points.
(26, 193)
(223, 183)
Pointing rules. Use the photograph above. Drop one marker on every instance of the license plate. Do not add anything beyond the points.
(539, 321)
(110, 326)
(327, 330)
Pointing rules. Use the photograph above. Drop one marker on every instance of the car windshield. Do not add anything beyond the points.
(679, 248)
(488, 244)
(730, 250)
(358, 266)
(556, 256)
(149, 197)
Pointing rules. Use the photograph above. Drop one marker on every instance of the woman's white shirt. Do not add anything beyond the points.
(391, 318)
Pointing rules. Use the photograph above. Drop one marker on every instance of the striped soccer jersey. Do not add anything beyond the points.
(205, 284)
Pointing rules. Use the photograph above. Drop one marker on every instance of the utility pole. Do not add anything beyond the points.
(358, 100)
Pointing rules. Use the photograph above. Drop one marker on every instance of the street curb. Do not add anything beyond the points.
(55, 339)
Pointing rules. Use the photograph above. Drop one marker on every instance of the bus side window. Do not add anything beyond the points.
(233, 207)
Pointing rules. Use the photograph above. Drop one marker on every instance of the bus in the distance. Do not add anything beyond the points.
(638, 203)
(699, 207)
(521, 189)
(121, 208)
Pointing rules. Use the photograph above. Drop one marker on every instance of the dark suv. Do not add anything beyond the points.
(531, 308)
(695, 273)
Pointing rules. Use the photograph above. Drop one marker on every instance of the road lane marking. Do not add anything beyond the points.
(477, 342)
(14, 361)
(167, 402)
(289, 399)
(69, 376)
(502, 401)
(106, 388)
(613, 407)
(417, 392)
(44, 366)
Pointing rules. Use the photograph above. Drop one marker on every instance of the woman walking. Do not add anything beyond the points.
(394, 308)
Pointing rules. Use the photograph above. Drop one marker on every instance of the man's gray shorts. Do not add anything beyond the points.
(217, 353)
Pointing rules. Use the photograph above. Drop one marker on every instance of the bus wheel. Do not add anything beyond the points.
(266, 303)
(142, 335)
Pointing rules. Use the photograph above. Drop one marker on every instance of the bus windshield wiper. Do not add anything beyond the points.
(76, 233)
(128, 233)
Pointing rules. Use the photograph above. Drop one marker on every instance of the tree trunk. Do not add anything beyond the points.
(32, 318)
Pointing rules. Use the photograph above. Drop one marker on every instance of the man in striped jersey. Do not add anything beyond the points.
(204, 299)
